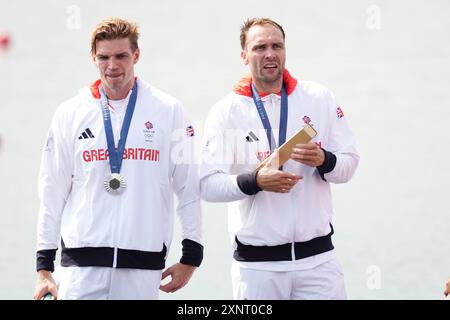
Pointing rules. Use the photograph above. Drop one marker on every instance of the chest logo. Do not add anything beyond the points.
(251, 137)
(148, 125)
(86, 134)
(339, 112)
(306, 119)
(190, 131)
(148, 131)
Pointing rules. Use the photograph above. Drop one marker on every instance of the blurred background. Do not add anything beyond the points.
(387, 62)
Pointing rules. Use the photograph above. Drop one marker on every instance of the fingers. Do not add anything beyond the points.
(285, 183)
(447, 289)
(169, 287)
(175, 284)
(54, 292)
(274, 180)
(166, 273)
(288, 183)
(42, 291)
(180, 274)
(307, 146)
(39, 293)
(305, 153)
(45, 284)
(309, 154)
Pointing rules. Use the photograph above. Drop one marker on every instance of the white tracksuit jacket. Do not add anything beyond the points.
(157, 162)
(235, 142)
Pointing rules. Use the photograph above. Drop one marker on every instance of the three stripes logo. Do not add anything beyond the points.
(251, 137)
(87, 134)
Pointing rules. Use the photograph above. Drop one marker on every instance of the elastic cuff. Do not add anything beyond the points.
(45, 260)
(192, 253)
(247, 183)
(328, 164)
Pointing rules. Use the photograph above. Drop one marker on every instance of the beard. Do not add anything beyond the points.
(270, 80)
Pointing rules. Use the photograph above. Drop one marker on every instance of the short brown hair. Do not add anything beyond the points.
(115, 28)
(254, 22)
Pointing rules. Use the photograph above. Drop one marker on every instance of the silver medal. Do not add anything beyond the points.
(115, 183)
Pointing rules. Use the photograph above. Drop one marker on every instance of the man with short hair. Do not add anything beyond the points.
(106, 180)
(279, 218)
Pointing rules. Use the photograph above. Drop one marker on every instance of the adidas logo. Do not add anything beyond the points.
(251, 137)
(86, 134)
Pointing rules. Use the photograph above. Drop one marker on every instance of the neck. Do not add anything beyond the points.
(118, 94)
(268, 88)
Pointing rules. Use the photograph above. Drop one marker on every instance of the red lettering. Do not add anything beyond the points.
(141, 153)
(133, 154)
(94, 155)
(86, 156)
(101, 154)
(147, 154)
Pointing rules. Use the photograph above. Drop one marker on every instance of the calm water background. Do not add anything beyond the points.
(387, 62)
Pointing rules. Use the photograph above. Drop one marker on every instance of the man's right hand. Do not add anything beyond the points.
(44, 284)
(270, 179)
(447, 288)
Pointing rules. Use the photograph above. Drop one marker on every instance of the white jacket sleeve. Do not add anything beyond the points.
(185, 180)
(216, 182)
(342, 143)
(55, 181)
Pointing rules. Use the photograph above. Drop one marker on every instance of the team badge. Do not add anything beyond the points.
(148, 125)
(190, 131)
(306, 119)
(339, 112)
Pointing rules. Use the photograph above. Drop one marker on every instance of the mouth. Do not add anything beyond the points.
(114, 76)
(270, 66)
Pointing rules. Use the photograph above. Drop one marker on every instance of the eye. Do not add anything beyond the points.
(278, 46)
(102, 58)
(122, 56)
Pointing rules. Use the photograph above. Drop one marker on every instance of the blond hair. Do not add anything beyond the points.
(115, 28)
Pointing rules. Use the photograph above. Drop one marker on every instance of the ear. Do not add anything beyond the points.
(244, 57)
(136, 55)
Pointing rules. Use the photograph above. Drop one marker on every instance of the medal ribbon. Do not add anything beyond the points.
(116, 156)
(265, 119)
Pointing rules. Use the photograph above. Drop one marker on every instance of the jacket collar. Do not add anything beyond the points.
(94, 88)
(243, 88)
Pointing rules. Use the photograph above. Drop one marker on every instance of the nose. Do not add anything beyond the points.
(112, 63)
(270, 54)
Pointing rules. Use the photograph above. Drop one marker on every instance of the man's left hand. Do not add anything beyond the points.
(180, 274)
(309, 154)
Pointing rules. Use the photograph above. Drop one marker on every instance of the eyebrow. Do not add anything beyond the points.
(264, 44)
(116, 54)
